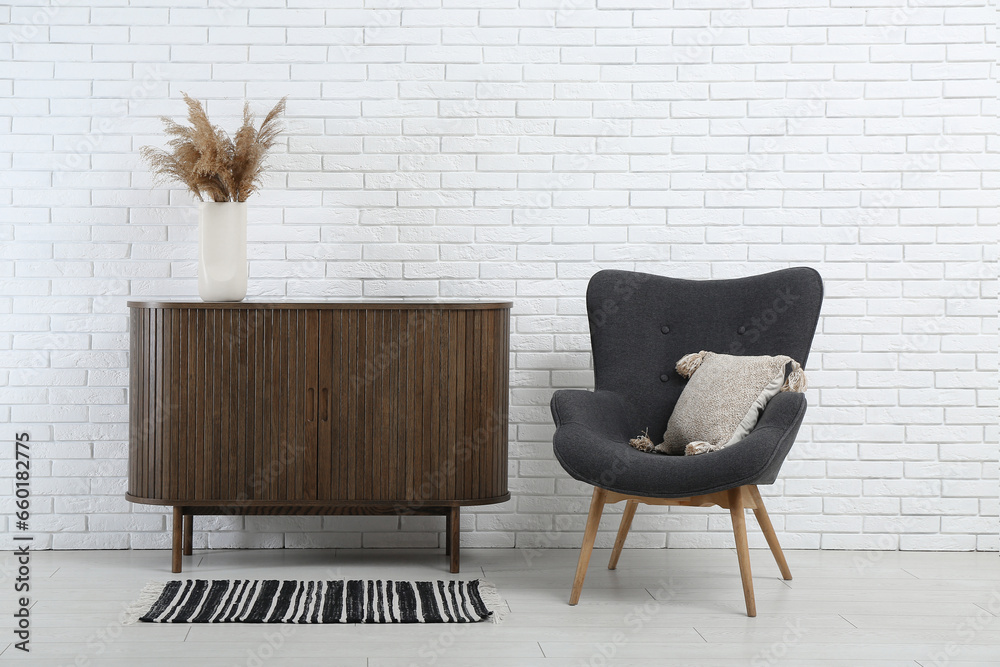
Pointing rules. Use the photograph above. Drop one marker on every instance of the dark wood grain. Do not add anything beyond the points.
(414, 304)
(188, 545)
(380, 509)
(396, 507)
(454, 532)
(177, 539)
(319, 407)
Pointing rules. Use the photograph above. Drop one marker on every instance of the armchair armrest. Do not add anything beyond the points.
(773, 436)
(602, 413)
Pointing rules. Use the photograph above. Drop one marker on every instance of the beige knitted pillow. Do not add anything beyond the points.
(723, 400)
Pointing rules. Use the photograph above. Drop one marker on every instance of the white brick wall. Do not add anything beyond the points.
(506, 149)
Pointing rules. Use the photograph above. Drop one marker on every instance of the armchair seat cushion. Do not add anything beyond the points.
(591, 443)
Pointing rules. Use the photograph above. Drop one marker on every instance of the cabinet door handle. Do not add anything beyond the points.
(324, 404)
(310, 404)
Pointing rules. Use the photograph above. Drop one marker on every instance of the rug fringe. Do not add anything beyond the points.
(491, 598)
(149, 594)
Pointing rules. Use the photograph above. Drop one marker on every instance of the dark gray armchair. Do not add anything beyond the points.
(640, 325)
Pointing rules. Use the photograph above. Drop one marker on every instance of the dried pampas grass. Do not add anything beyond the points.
(213, 166)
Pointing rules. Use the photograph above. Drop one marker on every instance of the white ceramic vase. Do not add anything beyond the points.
(222, 251)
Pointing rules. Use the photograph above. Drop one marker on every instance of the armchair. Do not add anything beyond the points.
(640, 325)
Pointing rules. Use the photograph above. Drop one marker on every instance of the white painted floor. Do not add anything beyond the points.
(661, 607)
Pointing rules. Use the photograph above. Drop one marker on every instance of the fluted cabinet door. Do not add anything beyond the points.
(223, 404)
(413, 405)
(281, 456)
(252, 405)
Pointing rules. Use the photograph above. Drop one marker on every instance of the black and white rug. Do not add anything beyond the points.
(338, 601)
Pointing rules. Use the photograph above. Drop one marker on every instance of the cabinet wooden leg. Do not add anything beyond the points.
(175, 563)
(188, 534)
(454, 525)
(447, 533)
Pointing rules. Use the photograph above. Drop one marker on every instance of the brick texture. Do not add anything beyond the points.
(505, 149)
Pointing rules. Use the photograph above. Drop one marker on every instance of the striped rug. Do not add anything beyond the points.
(338, 601)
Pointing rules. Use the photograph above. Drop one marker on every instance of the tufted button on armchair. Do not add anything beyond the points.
(637, 386)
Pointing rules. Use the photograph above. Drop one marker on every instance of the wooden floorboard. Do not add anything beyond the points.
(659, 608)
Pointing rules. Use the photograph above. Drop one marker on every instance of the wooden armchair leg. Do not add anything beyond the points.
(736, 511)
(589, 535)
(630, 507)
(772, 540)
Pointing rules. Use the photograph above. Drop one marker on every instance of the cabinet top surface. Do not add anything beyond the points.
(367, 304)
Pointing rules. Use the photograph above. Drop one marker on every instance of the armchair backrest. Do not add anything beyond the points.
(641, 324)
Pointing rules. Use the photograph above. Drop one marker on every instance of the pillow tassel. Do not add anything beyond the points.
(689, 363)
(642, 442)
(696, 447)
(796, 380)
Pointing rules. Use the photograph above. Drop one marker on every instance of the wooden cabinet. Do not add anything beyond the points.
(318, 408)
